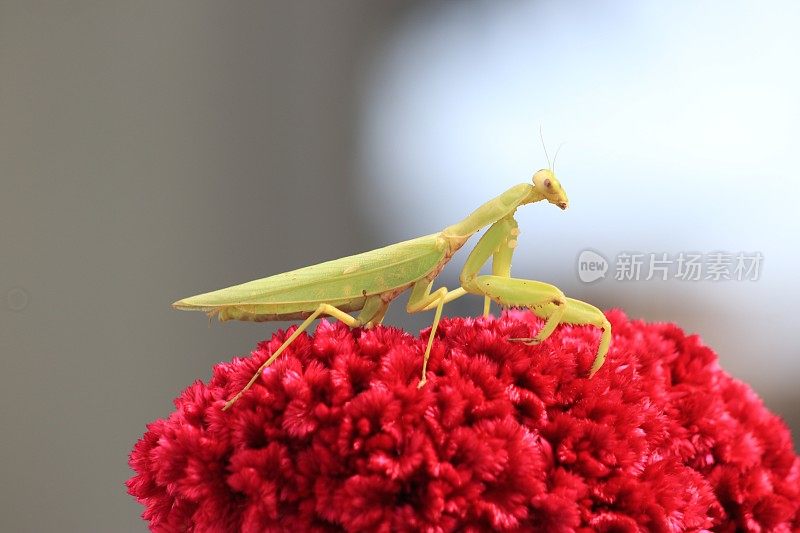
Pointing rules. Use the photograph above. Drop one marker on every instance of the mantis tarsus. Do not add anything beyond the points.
(369, 281)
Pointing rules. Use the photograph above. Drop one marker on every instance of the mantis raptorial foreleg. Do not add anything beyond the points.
(554, 307)
(499, 241)
(546, 301)
(580, 313)
(372, 306)
(501, 258)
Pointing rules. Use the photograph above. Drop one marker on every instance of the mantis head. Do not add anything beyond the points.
(545, 183)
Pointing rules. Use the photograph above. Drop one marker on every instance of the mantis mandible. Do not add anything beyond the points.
(369, 281)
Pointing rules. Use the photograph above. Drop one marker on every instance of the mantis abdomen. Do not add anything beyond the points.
(344, 283)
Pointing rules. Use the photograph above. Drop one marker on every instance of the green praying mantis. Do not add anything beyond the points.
(369, 281)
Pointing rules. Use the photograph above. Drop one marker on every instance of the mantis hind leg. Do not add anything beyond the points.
(371, 306)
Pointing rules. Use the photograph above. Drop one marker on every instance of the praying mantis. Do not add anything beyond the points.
(369, 281)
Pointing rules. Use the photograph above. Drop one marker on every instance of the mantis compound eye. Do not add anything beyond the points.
(548, 184)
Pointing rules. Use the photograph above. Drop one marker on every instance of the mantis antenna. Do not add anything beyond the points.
(555, 157)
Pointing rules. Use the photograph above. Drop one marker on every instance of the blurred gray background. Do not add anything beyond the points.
(153, 150)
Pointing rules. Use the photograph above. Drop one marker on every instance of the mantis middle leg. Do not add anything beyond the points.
(422, 299)
(372, 307)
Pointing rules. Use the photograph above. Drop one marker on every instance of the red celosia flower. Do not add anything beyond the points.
(336, 436)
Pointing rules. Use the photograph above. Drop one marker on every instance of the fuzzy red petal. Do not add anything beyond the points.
(506, 437)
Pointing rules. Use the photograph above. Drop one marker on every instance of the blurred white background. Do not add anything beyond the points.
(154, 150)
(681, 124)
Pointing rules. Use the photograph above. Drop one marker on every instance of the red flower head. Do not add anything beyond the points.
(335, 436)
